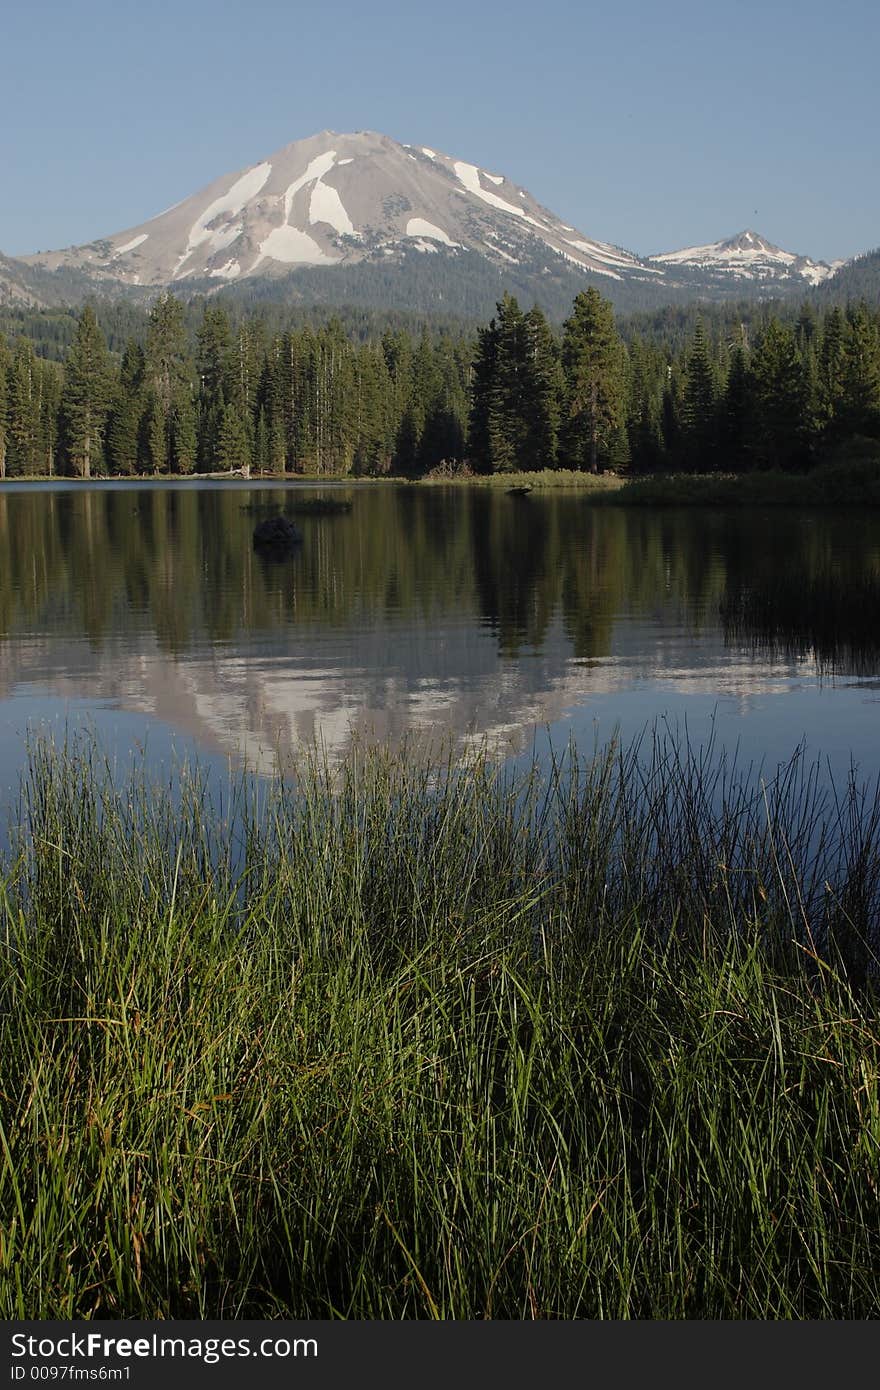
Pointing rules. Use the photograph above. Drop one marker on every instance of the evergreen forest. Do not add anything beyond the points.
(189, 389)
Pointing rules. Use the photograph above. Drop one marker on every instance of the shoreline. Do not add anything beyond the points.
(839, 484)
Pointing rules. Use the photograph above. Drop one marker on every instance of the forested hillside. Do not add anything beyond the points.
(858, 279)
(187, 388)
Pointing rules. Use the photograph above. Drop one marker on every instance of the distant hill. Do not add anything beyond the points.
(857, 279)
(31, 287)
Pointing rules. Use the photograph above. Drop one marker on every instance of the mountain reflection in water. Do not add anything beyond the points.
(430, 611)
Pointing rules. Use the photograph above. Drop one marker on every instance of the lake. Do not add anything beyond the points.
(143, 613)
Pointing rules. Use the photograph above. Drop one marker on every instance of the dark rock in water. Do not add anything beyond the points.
(522, 490)
(276, 535)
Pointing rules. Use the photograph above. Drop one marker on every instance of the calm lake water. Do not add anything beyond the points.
(143, 613)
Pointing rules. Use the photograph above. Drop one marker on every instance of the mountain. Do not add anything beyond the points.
(360, 219)
(338, 200)
(747, 259)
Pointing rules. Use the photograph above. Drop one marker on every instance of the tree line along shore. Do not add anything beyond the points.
(209, 395)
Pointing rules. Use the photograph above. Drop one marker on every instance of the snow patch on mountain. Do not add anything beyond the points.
(291, 247)
(594, 267)
(131, 245)
(419, 227)
(316, 169)
(601, 251)
(229, 204)
(327, 206)
(469, 175)
(815, 273)
(493, 178)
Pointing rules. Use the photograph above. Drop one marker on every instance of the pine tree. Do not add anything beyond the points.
(671, 409)
(859, 404)
(50, 412)
(183, 430)
(780, 399)
(171, 429)
(698, 404)
(86, 397)
(4, 404)
(646, 373)
(516, 390)
(422, 396)
(831, 369)
(483, 386)
(126, 412)
(260, 458)
(736, 410)
(288, 400)
(542, 394)
(215, 365)
(443, 435)
(593, 362)
(303, 403)
(373, 438)
(397, 349)
(233, 443)
(507, 415)
(806, 329)
(245, 375)
(24, 410)
(155, 433)
(272, 445)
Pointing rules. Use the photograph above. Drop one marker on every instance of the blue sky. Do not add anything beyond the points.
(650, 125)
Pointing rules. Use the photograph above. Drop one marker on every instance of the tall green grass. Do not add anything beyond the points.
(540, 479)
(411, 1040)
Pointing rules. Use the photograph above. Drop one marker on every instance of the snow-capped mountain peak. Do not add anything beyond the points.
(337, 199)
(750, 256)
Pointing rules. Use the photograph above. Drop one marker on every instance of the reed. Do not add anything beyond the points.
(415, 1039)
(541, 479)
